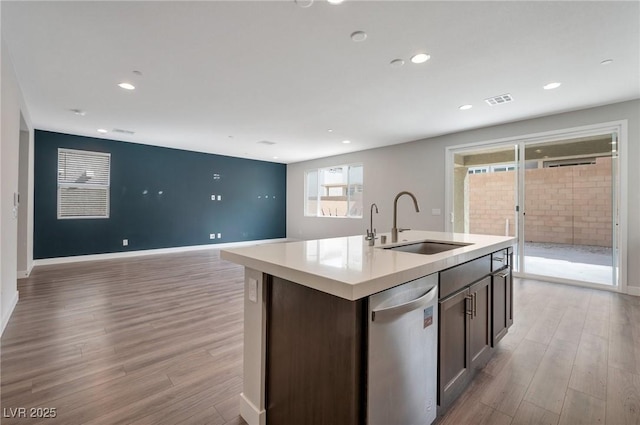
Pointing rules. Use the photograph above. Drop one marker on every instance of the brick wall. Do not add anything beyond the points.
(568, 205)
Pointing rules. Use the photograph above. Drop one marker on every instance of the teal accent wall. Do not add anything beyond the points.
(253, 204)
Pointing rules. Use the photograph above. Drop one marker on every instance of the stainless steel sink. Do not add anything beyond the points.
(427, 248)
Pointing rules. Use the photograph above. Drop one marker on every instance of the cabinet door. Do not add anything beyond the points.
(510, 292)
(453, 353)
(500, 295)
(480, 323)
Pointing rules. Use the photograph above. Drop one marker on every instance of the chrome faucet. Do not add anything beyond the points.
(371, 236)
(394, 229)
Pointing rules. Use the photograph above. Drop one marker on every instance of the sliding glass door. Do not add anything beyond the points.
(485, 191)
(558, 195)
(569, 217)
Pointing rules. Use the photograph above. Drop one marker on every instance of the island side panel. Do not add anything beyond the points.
(316, 358)
(252, 398)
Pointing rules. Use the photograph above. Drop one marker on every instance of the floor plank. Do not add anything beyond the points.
(574, 352)
(157, 340)
(151, 340)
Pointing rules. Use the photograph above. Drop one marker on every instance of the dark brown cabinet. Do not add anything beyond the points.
(475, 312)
(502, 295)
(465, 338)
(453, 355)
(315, 356)
(480, 323)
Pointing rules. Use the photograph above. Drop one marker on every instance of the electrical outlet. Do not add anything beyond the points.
(125, 242)
(213, 197)
(219, 197)
(212, 235)
(253, 290)
(219, 235)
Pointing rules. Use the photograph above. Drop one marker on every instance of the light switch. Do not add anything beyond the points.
(253, 290)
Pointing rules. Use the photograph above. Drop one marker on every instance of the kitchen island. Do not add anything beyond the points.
(305, 318)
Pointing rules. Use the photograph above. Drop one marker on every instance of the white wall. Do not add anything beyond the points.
(12, 105)
(420, 168)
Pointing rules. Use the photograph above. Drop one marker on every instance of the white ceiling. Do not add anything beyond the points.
(220, 76)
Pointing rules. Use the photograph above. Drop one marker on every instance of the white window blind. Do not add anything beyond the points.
(83, 184)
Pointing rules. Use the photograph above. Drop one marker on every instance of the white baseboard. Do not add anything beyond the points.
(22, 274)
(251, 413)
(128, 254)
(6, 315)
(633, 290)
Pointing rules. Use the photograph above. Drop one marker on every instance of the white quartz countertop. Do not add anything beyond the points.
(349, 268)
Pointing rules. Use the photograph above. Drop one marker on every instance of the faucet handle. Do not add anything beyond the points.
(403, 230)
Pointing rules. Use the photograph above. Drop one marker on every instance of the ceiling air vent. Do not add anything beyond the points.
(266, 142)
(121, 131)
(497, 100)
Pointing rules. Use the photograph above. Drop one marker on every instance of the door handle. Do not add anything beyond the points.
(475, 304)
(502, 273)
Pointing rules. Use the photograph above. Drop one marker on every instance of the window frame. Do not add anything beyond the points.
(349, 190)
(90, 186)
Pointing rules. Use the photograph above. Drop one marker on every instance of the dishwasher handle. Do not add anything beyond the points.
(396, 310)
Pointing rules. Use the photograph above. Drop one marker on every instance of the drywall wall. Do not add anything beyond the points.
(420, 168)
(25, 253)
(11, 109)
(159, 198)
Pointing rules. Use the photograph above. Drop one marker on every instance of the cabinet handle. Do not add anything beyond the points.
(475, 304)
(469, 311)
(503, 273)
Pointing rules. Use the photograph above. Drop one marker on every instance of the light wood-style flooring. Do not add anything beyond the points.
(571, 357)
(158, 340)
(151, 340)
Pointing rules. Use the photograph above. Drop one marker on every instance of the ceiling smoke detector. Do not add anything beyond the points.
(498, 100)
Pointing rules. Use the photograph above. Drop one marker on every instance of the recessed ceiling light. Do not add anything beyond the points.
(346, 142)
(420, 58)
(275, 157)
(138, 73)
(304, 3)
(334, 1)
(396, 63)
(358, 36)
(606, 62)
(552, 86)
(330, 130)
(465, 107)
(127, 86)
(79, 112)
(102, 130)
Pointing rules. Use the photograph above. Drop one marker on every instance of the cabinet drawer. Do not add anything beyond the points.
(458, 277)
(500, 259)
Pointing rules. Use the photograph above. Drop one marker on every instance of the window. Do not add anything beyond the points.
(83, 184)
(334, 191)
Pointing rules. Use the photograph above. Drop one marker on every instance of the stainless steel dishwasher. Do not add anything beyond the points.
(402, 356)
